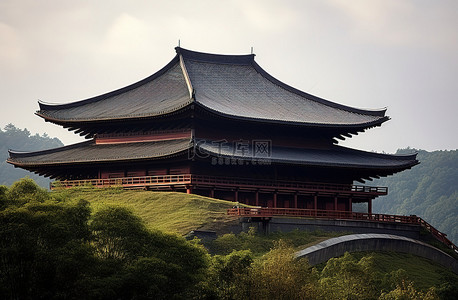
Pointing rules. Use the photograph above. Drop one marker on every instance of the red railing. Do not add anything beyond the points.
(346, 215)
(127, 182)
(219, 181)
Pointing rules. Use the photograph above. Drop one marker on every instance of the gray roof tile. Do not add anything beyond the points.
(89, 152)
(230, 85)
(336, 156)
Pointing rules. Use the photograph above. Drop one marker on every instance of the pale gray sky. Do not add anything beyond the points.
(399, 54)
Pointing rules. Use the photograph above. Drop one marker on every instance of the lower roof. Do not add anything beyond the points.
(336, 156)
(87, 153)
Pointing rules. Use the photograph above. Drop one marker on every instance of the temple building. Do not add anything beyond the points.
(218, 126)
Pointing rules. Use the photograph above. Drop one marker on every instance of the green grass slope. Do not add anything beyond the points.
(166, 211)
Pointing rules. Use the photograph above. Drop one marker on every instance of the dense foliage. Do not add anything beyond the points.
(428, 190)
(50, 249)
(17, 139)
(55, 248)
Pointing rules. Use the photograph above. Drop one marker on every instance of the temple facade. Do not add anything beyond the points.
(218, 126)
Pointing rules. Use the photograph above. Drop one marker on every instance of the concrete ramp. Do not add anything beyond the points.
(336, 247)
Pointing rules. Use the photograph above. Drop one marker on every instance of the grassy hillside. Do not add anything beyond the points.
(166, 211)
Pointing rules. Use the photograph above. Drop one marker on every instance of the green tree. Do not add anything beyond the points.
(118, 234)
(138, 263)
(26, 190)
(347, 278)
(278, 275)
(228, 276)
(406, 291)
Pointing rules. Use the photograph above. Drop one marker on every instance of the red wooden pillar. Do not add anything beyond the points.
(335, 202)
(236, 195)
(295, 200)
(212, 193)
(257, 198)
(350, 204)
(275, 199)
(369, 206)
(315, 202)
(188, 189)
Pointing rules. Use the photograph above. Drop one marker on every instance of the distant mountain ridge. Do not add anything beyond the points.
(428, 190)
(14, 138)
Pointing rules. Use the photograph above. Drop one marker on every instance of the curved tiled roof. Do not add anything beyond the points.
(159, 94)
(233, 86)
(90, 152)
(336, 156)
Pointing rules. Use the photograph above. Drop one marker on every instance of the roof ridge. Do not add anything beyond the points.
(238, 59)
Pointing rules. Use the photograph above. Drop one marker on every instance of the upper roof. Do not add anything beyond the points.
(232, 86)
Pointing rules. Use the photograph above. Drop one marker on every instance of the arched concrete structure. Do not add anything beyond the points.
(335, 247)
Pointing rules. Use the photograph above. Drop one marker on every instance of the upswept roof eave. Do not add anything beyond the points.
(117, 118)
(48, 106)
(361, 126)
(18, 154)
(376, 112)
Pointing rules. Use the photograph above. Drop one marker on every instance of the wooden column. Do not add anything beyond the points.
(257, 198)
(350, 204)
(295, 200)
(275, 199)
(315, 202)
(188, 189)
(212, 193)
(236, 195)
(369, 206)
(335, 202)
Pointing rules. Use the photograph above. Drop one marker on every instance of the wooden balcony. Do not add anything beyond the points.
(184, 180)
(162, 181)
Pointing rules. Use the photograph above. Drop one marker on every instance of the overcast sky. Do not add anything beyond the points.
(398, 54)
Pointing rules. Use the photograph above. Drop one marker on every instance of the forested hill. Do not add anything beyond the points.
(429, 190)
(17, 139)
